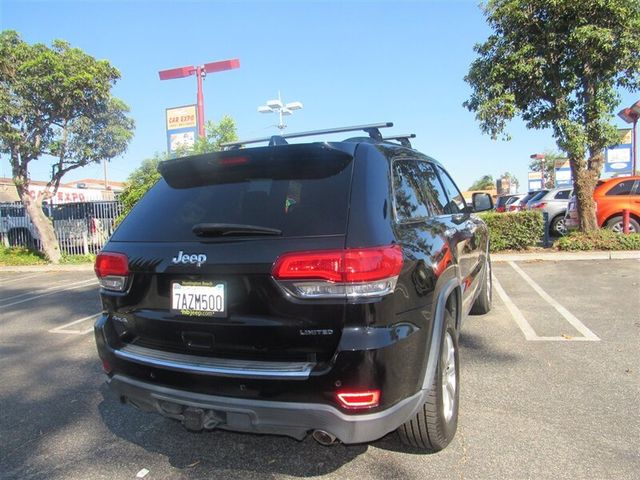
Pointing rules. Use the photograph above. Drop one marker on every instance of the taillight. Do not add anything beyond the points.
(358, 399)
(112, 270)
(539, 205)
(348, 273)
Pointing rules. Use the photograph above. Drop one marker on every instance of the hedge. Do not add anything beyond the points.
(514, 230)
(599, 240)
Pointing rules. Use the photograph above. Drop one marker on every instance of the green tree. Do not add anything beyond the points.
(512, 179)
(485, 182)
(56, 105)
(551, 158)
(146, 175)
(558, 65)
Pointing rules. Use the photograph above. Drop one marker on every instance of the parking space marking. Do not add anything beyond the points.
(17, 279)
(525, 326)
(517, 315)
(64, 328)
(55, 286)
(568, 316)
(71, 286)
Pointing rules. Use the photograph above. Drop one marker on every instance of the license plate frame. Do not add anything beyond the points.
(190, 294)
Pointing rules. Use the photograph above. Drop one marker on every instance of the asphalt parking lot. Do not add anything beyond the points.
(550, 389)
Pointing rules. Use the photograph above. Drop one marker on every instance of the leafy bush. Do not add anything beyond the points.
(599, 240)
(514, 230)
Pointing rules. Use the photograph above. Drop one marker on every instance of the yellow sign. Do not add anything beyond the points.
(181, 117)
(535, 176)
(626, 135)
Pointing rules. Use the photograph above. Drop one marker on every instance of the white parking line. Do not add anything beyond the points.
(17, 279)
(64, 283)
(525, 326)
(63, 328)
(568, 316)
(84, 283)
(517, 315)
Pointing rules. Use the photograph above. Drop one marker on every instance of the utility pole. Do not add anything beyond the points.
(200, 72)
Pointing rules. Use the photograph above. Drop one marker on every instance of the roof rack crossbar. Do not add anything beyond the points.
(403, 139)
(371, 129)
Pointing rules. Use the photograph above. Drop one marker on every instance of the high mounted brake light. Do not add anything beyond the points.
(112, 270)
(347, 273)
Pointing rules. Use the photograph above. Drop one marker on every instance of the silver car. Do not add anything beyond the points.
(555, 203)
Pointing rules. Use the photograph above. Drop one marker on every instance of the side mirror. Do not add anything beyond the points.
(482, 202)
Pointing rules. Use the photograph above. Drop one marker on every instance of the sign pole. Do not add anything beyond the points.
(200, 73)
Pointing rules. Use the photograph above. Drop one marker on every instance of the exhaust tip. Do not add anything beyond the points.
(324, 438)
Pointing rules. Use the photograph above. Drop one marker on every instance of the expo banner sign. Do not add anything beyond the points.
(618, 157)
(182, 128)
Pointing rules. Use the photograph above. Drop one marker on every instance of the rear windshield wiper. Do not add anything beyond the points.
(230, 229)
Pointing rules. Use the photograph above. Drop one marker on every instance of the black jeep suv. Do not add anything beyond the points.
(297, 288)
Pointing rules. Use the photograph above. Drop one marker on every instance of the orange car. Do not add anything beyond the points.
(612, 197)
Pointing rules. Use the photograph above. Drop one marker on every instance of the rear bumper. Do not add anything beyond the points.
(296, 420)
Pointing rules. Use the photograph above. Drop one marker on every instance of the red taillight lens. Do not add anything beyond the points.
(112, 270)
(370, 264)
(344, 266)
(539, 205)
(109, 263)
(358, 399)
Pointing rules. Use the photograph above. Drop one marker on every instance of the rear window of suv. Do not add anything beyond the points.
(302, 192)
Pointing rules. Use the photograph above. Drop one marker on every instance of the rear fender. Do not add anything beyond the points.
(447, 289)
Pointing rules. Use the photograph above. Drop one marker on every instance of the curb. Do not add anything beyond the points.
(565, 256)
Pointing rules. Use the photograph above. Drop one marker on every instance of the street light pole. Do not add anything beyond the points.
(541, 157)
(631, 115)
(276, 106)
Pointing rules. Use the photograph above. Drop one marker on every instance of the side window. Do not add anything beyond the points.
(456, 203)
(563, 195)
(409, 201)
(622, 188)
(434, 193)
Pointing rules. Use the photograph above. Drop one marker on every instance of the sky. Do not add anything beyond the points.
(348, 62)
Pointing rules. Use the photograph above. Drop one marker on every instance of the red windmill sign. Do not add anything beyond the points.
(200, 72)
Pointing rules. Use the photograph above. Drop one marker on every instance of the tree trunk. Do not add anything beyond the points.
(584, 182)
(42, 225)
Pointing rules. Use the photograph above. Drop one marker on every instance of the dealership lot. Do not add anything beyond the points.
(550, 389)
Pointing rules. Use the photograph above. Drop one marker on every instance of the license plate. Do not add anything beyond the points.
(200, 299)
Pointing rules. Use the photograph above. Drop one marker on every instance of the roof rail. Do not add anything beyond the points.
(371, 129)
(403, 139)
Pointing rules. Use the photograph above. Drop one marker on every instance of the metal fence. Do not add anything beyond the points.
(81, 228)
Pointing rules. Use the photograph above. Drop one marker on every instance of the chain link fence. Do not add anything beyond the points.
(81, 228)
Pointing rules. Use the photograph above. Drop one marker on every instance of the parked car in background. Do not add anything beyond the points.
(554, 203)
(534, 198)
(80, 227)
(512, 203)
(501, 202)
(612, 196)
(519, 204)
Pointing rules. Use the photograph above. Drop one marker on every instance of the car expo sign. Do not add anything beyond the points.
(563, 174)
(182, 128)
(618, 157)
(534, 180)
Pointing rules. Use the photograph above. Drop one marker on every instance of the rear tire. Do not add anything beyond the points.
(558, 228)
(436, 422)
(482, 304)
(616, 224)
